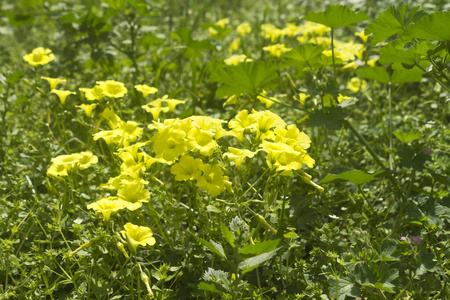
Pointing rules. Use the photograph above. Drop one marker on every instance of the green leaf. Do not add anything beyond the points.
(213, 246)
(374, 73)
(432, 27)
(406, 137)
(402, 75)
(290, 235)
(227, 234)
(336, 16)
(331, 119)
(394, 53)
(14, 77)
(302, 56)
(392, 21)
(253, 262)
(248, 77)
(356, 176)
(212, 287)
(259, 248)
(342, 287)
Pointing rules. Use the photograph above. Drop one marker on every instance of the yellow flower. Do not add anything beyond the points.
(112, 88)
(68, 161)
(202, 141)
(187, 168)
(107, 206)
(110, 136)
(137, 235)
(238, 155)
(362, 36)
(222, 22)
(276, 50)
(94, 94)
(86, 160)
(235, 44)
(145, 89)
(39, 56)
(244, 28)
(87, 108)
(241, 122)
(134, 193)
(234, 60)
(170, 143)
(53, 81)
(291, 30)
(268, 101)
(269, 31)
(302, 98)
(212, 32)
(62, 95)
(355, 84)
(212, 181)
(56, 171)
(342, 98)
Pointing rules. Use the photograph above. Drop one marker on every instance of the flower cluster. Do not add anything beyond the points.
(62, 165)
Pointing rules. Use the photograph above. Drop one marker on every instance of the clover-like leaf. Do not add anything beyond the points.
(357, 177)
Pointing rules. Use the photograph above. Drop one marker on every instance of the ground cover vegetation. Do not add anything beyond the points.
(224, 150)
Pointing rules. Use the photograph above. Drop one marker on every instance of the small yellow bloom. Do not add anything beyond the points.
(112, 88)
(235, 44)
(62, 95)
(222, 22)
(145, 89)
(39, 56)
(342, 98)
(244, 28)
(277, 49)
(238, 155)
(236, 59)
(56, 171)
(94, 94)
(187, 168)
(107, 206)
(212, 32)
(87, 108)
(137, 235)
(362, 36)
(355, 85)
(53, 82)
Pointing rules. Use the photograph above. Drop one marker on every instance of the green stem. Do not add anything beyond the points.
(332, 51)
(391, 140)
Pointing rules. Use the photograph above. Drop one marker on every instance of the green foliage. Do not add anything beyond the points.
(336, 16)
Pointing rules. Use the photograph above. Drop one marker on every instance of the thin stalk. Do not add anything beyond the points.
(391, 140)
(374, 156)
(332, 51)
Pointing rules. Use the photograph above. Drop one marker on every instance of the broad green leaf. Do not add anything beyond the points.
(336, 16)
(427, 263)
(374, 73)
(116, 4)
(227, 234)
(259, 248)
(331, 119)
(342, 287)
(394, 52)
(356, 176)
(212, 287)
(253, 262)
(291, 235)
(392, 21)
(14, 77)
(213, 246)
(140, 6)
(402, 75)
(432, 27)
(406, 137)
(248, 77)
(306, 55)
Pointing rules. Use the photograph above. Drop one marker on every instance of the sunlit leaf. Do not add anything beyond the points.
(357, 177)
(259, 248)
(253, 262)
(374, 73)
(336, 16)
(432, 27)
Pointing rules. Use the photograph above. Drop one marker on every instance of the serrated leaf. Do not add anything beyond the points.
(247, 77)
(259, 248)
(212, 287)
(374, 73)
(331, 119)
(336, 16)
(253, 262)
(227, 234)
(402, 75)
(394, 53)
(302, 56)
(392, 21)
(342, 287)
(357, 177)
(213, 246)
(406, 137)
(432, 27)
